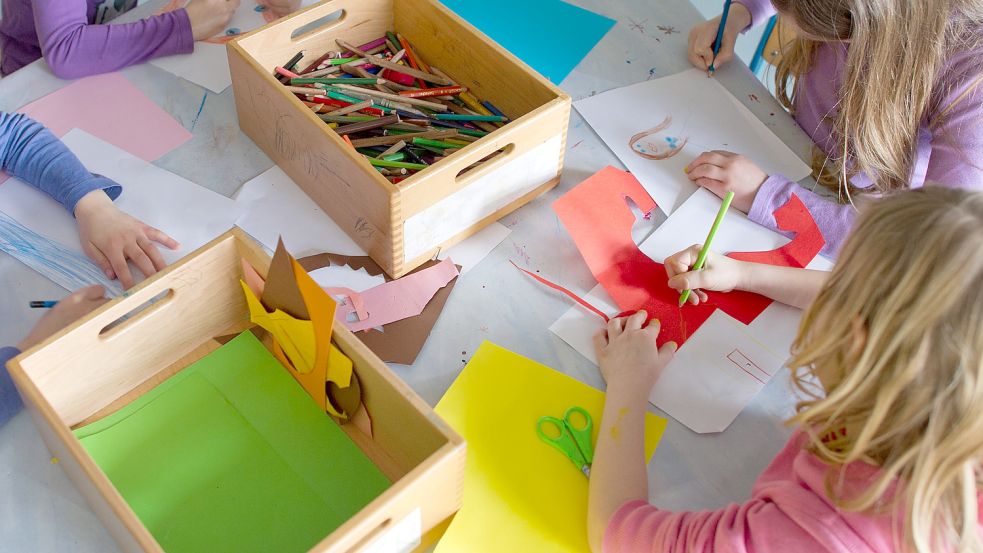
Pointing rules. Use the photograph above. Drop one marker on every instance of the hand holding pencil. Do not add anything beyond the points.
(703, 38)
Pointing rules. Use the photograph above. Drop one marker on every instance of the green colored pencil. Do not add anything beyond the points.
(397, 164)
(468, 117)
(702, 257)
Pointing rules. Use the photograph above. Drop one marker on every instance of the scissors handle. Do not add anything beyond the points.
(581, 433)
(564, 442)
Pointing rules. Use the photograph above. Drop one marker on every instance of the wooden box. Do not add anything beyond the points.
(403, 225)
(101, 363)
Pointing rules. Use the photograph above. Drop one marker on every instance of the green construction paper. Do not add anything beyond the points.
(231, 454)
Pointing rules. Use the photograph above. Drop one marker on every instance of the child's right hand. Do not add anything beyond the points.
(703, 35)
(209, 17)
(628, 355)
(67, 311)
(719, 273)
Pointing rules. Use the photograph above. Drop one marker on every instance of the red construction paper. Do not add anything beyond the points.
(597, 216)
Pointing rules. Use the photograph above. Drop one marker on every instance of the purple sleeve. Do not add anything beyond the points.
(10, 402)
(956, 158)
(834, 219)
(31, 153)
(74, 48)
(761, 11)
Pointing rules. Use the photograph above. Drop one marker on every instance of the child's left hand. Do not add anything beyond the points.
(281, 8)
(628, 355)
(721, 172)
(80, 303)
(110, 237)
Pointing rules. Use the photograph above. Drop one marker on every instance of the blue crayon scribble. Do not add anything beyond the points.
(672, 141)
(260, 9)
(61, 265)
(232, 31)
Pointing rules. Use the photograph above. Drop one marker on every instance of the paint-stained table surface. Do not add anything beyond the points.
(40, 510)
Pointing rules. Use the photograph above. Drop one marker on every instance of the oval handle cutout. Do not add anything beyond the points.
(136, 314)
(367, 538)
(320, 24)
(488, 162)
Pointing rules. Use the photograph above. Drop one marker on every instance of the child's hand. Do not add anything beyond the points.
(77, 305)
(627, 353)
(110, 237)
(721, 172)
(719, 273)
(209, 17)
(281, 8)
(703, 35)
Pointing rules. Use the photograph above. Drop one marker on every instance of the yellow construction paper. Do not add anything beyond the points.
(520, 494)
(295, 336)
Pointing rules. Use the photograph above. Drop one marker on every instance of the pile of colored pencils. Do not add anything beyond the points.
(383, 99)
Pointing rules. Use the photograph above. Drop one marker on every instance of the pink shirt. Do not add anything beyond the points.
(788, 512)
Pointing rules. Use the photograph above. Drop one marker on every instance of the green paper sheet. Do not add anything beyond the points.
(231, 454)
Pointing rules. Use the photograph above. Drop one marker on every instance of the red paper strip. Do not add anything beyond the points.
(559, 288)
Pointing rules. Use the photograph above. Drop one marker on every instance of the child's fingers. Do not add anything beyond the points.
(669, 348)
(701, 294)
(118, 260)
(707, 171)
(615, 327)
(712, 157)
(600, 340)
(654, 327)
(150, 249)
(162, 239)
(99, 259)
(636, 320)
(681, 261)
(140, 259)
(715, 186)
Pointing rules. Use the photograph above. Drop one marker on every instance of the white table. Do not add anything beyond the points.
(40, 510)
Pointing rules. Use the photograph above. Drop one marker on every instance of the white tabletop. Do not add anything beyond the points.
(40, 510)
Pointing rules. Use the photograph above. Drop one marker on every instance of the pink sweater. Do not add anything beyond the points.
(950, 138)
(788, 512)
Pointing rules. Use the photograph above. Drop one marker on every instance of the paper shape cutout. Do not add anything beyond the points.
(519, 493)
(282, 289)
(135, 123)
(295, 336)
(702, 116)
(398, 299)
(252, 278)
(341, 276)
(717, 372)
(267, 468)
(554, 49)
(191, 214)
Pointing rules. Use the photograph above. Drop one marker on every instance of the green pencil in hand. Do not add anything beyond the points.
(702, 257)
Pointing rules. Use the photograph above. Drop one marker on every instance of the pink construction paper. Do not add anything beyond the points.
(397, 299)
(110, 107)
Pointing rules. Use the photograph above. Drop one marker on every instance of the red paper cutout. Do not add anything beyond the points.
(568, 293)
(597, 216)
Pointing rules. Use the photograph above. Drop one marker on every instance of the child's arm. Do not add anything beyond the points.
(631, 363)
(788, 285)
(109, 237)
(74, 48)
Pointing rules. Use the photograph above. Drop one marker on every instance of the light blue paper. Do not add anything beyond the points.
(549, 35)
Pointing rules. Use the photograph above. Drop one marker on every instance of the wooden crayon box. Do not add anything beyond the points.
(403, 225)
(127, 347)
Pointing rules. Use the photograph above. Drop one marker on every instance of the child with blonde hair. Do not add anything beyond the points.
(888, 90)
(889, 358)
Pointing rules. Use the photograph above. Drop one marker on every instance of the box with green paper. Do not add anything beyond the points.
(217, 407)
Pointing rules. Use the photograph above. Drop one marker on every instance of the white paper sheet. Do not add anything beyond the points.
(724, 363)
(704, 116)
(342, 276)
(189, 213)
(470, 251)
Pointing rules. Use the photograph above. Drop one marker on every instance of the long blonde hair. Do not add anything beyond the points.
(896, 340)
(897, 51)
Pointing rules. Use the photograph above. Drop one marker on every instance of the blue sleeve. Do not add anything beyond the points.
(10, 402)
(31, 153)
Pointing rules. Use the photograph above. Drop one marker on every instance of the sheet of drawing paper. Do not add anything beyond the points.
(470, 251)
(343, 276)
(758, 349)
(673, 120)
(231, 455)
(191, 214)
(127, 118)
(551, 36)
(274, 207)
(65, 267)
(520, 494)
(398, 299)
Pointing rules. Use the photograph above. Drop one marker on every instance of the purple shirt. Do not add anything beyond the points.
(10, 402)
(65, 33)
(950, 138)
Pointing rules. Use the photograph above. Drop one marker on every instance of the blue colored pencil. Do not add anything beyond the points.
(43, 304)
(720, 37)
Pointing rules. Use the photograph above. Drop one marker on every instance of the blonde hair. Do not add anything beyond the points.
(897, 51)
(896, 340)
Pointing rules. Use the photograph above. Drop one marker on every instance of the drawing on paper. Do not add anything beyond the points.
(655, 144)
(230, 33)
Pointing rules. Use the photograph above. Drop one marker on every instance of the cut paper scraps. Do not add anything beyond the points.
(519, 493)
(400, 341)
(657, 127)
(130, 120)
(191, 214)
(229, 454)
(552, 49)
(743, 341)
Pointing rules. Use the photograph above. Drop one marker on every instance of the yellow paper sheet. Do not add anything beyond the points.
(519, 493)
(295, 336)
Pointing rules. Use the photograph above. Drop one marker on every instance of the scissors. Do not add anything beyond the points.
(571, 439)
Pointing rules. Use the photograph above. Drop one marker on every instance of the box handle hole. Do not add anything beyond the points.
(320, 24)
(488, 161)
(137, 313)
(367, 538)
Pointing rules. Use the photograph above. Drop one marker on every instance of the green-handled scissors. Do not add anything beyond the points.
(572, 440)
